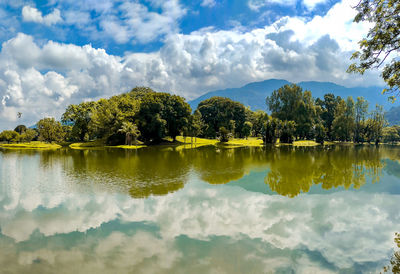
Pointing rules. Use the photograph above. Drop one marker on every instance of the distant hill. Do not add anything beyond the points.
(254, 94)
(393, 116)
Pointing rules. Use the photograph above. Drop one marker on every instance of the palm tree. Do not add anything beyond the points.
(131, 132)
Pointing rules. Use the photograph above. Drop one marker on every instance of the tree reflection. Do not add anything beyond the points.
(295, 170)
(162, 170)
(394, 266)
(140, 172)
(223, 165)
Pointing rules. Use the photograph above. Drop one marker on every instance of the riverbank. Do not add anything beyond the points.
(31, 145)
(180, 143)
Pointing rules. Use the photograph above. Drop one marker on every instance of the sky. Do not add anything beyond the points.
(60, 52)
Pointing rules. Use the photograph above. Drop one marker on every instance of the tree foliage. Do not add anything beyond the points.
(382, 41)
(327, 112)
(50, 130)
(290, 103)
(218, 112)
(9, 136)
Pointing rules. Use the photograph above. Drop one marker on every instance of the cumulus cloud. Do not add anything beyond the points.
(311, 4)
(124, 21)
(31, 14)
(41, 79)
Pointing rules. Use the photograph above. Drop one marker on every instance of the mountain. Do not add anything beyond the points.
(254, 94)
(393, 116)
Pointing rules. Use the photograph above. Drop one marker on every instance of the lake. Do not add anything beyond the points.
(205, 210)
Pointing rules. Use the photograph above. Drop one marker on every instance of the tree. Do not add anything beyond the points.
(29, 135)
(20, 129)
(287, 131)
(375, 125)
(270, 131)
(319, 133)
(176, 112)
(390, 135)
(151, 124)
(79, 116)
(328, 109)
(9, 136)
(343, 124)
(131, 132)
(395, 259)
(382, 41)
(196, 124)
(361, 111)
(290, 103)
(50, 130)
(224, 134)
(259, 118)
(217, 112)
(246, 130)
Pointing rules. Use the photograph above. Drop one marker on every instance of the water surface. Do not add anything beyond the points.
(205, 210)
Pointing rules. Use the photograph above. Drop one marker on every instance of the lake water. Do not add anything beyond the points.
(204, 210)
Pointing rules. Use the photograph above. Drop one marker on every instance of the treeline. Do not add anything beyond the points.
(149, 116)
(297, 115)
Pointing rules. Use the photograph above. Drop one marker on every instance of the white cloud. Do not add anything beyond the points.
(208, 3)
(124, 21)
(311, 4)
(31, 14)
(187, 64)
(142, 25)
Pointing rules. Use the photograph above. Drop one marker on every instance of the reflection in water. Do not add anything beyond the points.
(159, 171)
(72, 211)
(395, 260)
(295, 170)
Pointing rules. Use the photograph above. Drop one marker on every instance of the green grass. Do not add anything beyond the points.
(31, 145)
(186, 143)
(305, 143)
(86, 145)
(127, 147)
(250, 142)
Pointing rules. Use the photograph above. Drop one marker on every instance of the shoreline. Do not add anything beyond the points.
(178, 144)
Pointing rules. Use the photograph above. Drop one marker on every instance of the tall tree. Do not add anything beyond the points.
(176, 112)
(50, 130)
(79, 116)
(382, 41)
(217, 112)
(258, 120)
(246, 130)
(343, 124)
(270, 131)
(361, 111)
(287, 131)
(290, 103)
(20, 129)
(131, 132)
(328, 106)
(375, 125)
(196, 124)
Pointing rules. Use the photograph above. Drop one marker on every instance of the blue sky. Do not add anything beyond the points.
(54, 53)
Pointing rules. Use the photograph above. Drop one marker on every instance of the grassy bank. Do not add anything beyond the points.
(31, 145)
(180, 143)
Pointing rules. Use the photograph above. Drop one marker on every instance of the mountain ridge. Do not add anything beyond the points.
(254, 94)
